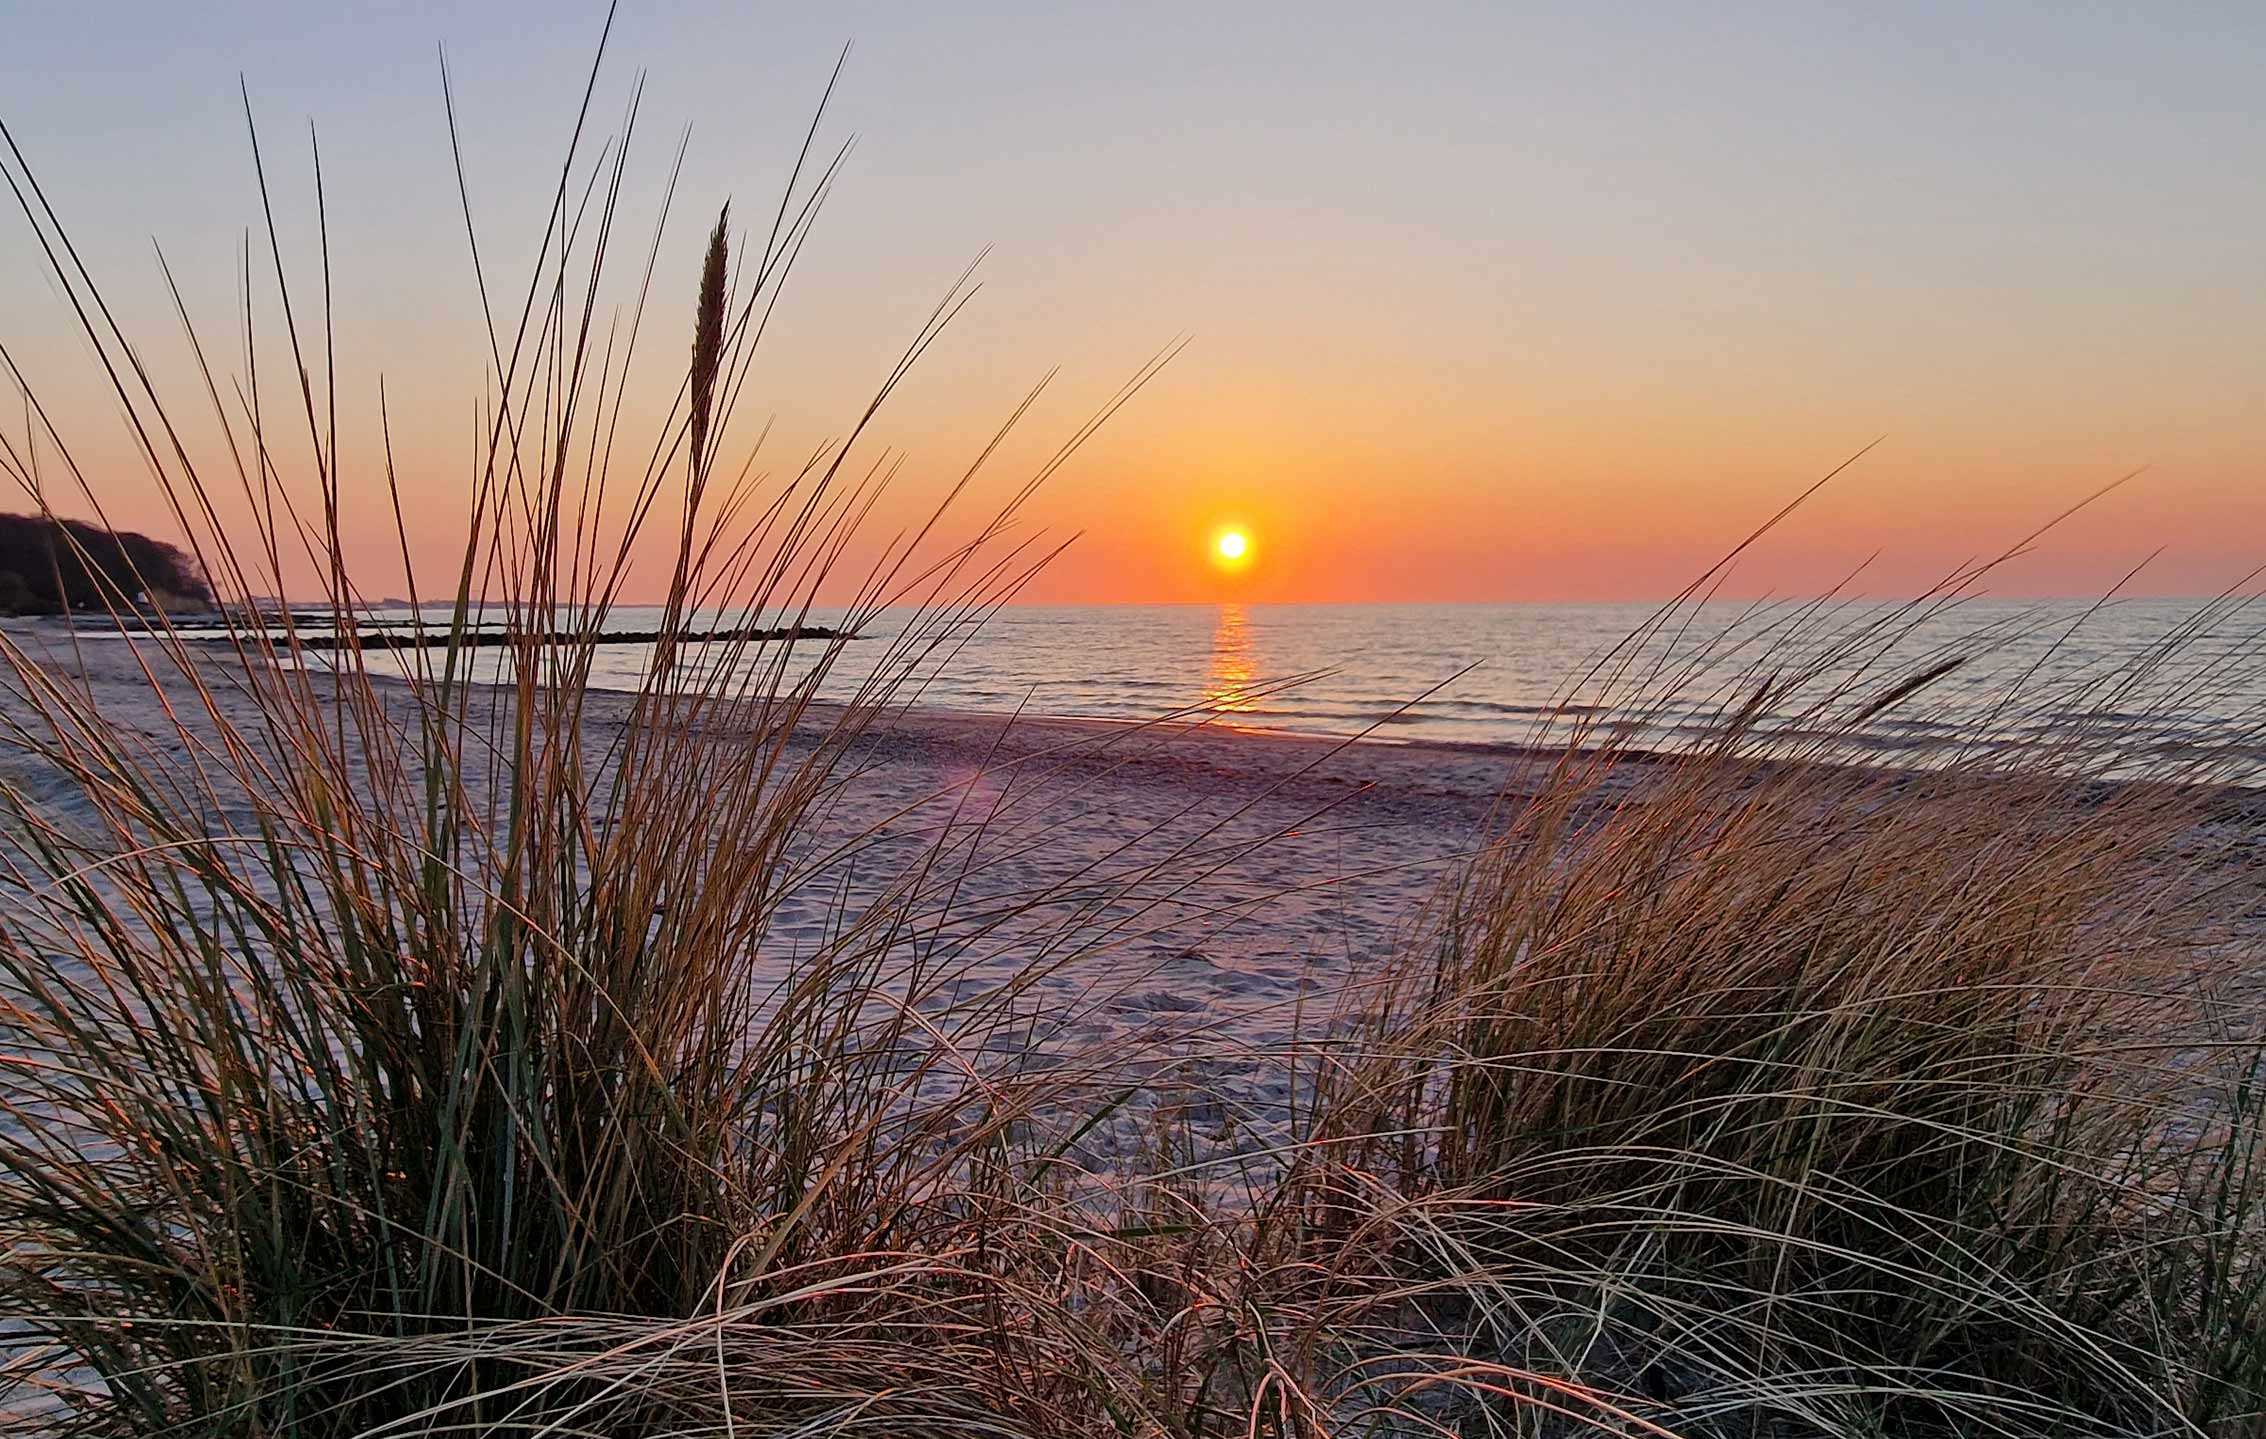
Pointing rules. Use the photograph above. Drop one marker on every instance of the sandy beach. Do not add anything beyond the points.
(1226, 886)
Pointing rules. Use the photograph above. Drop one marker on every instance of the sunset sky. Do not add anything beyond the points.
(1488, 302)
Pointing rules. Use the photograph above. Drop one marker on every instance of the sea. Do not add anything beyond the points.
(2159, 684)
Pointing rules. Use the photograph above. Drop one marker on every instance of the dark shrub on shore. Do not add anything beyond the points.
(50, 566)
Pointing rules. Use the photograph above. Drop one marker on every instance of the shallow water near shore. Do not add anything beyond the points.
(2029, 675)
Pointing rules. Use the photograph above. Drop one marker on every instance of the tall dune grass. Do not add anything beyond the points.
(1787, 1095)
(404, 1056)
(394, 1054)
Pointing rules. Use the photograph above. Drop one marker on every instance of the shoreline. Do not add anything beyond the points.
(1372, 750)
(1906, 744)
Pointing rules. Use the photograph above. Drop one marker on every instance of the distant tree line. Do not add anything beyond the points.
(42, 572)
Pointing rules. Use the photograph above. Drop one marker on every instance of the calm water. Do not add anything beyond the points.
(2028, 674)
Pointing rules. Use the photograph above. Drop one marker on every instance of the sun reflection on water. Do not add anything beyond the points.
(1234, 664)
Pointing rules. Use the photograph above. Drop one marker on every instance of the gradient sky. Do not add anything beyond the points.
(1488, 302)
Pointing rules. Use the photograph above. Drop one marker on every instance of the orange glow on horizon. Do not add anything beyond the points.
(1403, 387)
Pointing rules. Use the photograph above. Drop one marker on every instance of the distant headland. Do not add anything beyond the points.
(52, 567)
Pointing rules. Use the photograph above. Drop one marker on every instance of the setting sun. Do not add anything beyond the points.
(1231, 549)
